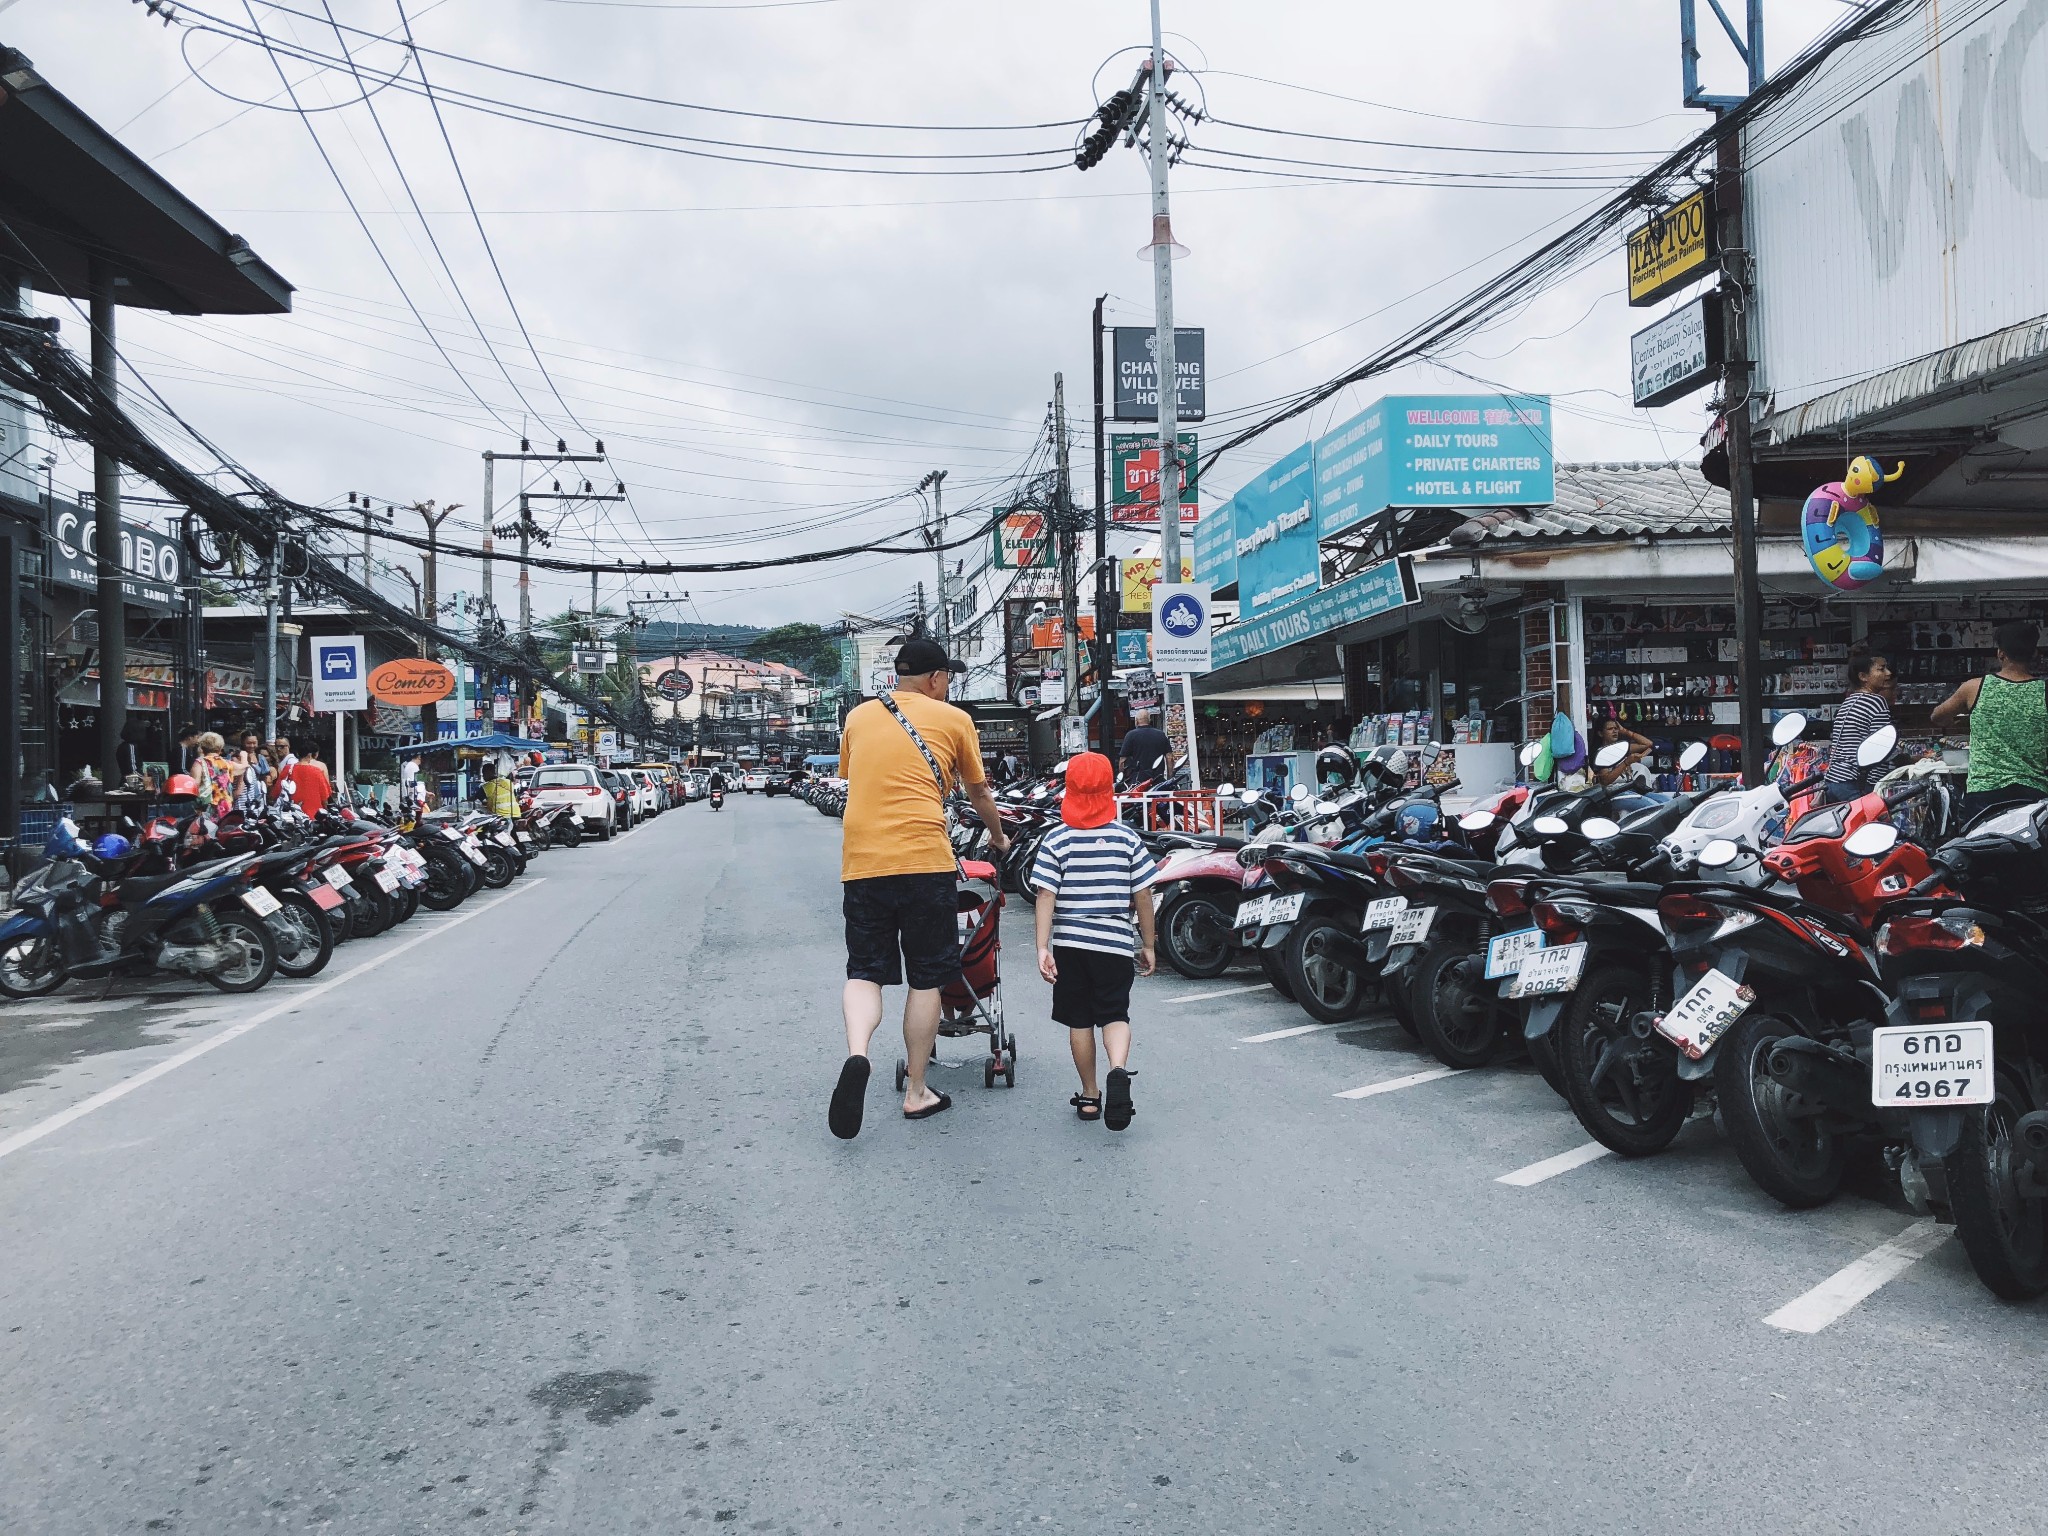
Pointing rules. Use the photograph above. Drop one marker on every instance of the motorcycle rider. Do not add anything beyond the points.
(500, 799)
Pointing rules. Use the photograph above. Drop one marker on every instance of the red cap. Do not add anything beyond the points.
(1090, 798)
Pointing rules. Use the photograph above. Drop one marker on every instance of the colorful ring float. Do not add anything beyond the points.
(1839, 527)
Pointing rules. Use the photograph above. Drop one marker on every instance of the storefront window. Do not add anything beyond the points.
(1670, 668)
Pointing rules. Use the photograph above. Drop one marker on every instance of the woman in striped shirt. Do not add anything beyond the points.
(1859, 716)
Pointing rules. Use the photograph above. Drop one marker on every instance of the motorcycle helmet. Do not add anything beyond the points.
(1336, 768)
(1418, 823)
(181, 784)
(1388, 764)
(112, 846)
(63, 841)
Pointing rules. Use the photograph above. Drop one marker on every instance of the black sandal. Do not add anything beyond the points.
(1120, 1110)
(1087, 1108)
(942, 1102)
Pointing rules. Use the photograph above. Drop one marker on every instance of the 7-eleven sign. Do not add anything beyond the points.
(1134, 477)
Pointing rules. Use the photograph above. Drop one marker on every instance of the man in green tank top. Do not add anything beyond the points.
(2008, 712)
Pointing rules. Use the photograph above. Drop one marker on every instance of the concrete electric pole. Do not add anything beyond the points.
(935, 482)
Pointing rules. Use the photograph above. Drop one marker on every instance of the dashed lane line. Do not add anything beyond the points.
(1286, 1034)
(1393, 1084)
(1839, 1294)
(298, 999)
(1203, 997)
(1551, 1167)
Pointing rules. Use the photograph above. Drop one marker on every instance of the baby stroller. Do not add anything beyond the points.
(972, 1003)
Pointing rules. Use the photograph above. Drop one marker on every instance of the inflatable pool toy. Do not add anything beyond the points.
(1843, 541)
(1865, 476)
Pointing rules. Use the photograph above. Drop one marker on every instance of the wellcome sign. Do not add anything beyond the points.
(411, 680)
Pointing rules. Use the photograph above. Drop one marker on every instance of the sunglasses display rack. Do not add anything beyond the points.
(1935, 647)
(1672, 666)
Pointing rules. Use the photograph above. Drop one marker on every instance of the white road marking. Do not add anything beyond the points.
(1835, 1296)
(1551, 1167)
(1286, 1034)
(298, 999)
(1203, 997)
(1389, 1085)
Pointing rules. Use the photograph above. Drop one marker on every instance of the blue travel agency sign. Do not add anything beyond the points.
(1216, 547)
(1387, 586)
(1276, 543)
(1436, 451)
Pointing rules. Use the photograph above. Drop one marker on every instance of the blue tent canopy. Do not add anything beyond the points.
(497, 741)
(822, 760)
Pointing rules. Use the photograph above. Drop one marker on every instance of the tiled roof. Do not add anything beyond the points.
(1610, 501)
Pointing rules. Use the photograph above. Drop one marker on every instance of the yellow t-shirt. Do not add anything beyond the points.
(895, 818)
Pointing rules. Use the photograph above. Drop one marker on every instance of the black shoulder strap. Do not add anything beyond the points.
(931, 762)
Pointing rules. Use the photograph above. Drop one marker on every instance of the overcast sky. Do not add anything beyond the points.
(770, 353)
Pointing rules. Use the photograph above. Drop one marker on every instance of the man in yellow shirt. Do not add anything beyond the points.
(898, 868)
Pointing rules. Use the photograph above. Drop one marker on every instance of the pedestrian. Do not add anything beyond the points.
(214, 774)
(254, 766)
(2008, 712)
(500, 799)
(188, 748)
(1144, 749)
(1864, 710)
(1092, 875)
(1632, 771)
(282, 761)
(900, 754)
(311, 787)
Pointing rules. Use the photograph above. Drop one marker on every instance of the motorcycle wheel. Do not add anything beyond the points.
(1275, 967)
(1194, 936)
(569, 831)
(1625, 1090)
(252, 953)
(1543, 1056)
(1456, 1015)
(1400, 999)
(1788, 1150)
(408, 902)
(309, 944)
(445, 889)
(2004, 1232)
(498, 870)
(1328, 990)
(29, 967)
(374, 915)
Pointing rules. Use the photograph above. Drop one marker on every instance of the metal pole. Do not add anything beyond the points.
(525, 577)
(366, 541)
(490, 516)
(270, 595)
(1107, 590)
(1737, 385)
(1063, 522)
(106, 502)
(937, 478)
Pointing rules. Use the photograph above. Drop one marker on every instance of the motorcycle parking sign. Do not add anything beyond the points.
(1180, 628)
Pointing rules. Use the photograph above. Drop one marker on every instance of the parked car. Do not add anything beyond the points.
(696, 783)
(647, 793)
(579, 786)
(625, 800)
(778, 782)
(755, 779)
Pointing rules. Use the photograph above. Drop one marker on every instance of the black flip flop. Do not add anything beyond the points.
(849, 1098)
(1117, 1108)
(941, 1103)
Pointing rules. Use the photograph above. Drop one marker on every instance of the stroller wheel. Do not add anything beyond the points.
(902, 1073)
(1010, 1070)
(988, 1073)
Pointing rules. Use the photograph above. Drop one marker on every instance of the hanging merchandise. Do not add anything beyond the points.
(1840, 528)
(1562, 737)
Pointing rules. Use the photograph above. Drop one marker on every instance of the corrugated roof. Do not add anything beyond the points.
(1625, 500)
(2016, 350)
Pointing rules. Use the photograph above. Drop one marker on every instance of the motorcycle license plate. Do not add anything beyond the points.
(1252, 913)
(1703, 1015)
(1505, 954)
(1549, 970)
(388, 880)
(1385, 912)
(326, 897)
(523, 839)
(504, 838)
(1917, 1066)
(1412, 927)
(337, 876)
(471, 854)
(1285, 909)
(260, 901)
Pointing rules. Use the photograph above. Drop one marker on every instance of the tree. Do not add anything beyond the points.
(809, 649)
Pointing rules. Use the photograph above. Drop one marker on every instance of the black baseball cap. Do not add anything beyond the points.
(920, 656)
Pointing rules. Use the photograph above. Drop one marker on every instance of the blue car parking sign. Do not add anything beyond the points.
(338, 662)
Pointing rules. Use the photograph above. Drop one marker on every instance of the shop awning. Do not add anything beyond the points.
(496, 741)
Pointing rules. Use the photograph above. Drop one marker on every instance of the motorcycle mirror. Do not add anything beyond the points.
(1599, 827)
(1718, 854)
(1226, 790)
(1877, 746)
(1326, 807)
(1431, 751)
(1692, 756)
(1549, 826)
(1871, 841)
(1298, 794)
(1528, 753)
(1788, 729)
(1611, 755)
(1477, 821)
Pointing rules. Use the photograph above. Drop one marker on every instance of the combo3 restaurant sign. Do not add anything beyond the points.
(411, 680)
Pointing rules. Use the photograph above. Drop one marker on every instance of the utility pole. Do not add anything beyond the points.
(430, 602)
(1069, 537)
(1106, 604)
(490, 513)
(1738, 389)
(1162, 249)
(270, 597)
(935, 482)
(106, 511)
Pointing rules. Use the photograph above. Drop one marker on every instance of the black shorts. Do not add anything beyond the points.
(1094, 988)
(914, 914)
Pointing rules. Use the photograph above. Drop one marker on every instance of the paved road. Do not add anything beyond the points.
(534, 1225)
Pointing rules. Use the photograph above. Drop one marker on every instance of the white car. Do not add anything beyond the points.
(576, 784)
(755, 781)
(646, 793)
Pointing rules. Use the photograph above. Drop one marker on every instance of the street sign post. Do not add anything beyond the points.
(1180, 628)
(340, 679)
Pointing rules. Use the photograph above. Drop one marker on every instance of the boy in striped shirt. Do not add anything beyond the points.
(1092, 874)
